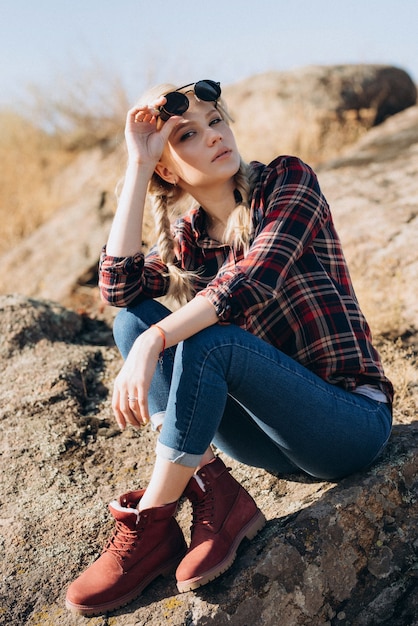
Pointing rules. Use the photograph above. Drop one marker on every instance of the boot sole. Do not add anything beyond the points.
(107, 607)
(249, 531)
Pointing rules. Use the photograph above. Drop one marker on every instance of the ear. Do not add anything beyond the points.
(165, 173)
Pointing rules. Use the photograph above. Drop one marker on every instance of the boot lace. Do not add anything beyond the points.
(202, 510)
(123, 541)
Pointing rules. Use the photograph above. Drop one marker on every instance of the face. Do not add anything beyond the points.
(201, 150)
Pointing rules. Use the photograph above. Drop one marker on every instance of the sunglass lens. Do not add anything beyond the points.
(207, 90)
(177, 104)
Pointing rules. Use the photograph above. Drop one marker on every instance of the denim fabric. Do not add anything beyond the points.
(230, 388)
(128, 325)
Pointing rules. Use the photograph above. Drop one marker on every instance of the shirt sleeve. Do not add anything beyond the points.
(290, 210)
(126, 280)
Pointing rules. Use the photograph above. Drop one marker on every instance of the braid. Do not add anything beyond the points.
(239, 227)
(163, 229)
(161, 195)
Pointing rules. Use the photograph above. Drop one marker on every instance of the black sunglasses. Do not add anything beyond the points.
(178, 103)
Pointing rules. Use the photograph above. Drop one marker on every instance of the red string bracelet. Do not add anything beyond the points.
(162, 333)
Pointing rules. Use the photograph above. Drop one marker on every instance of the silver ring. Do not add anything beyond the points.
(132, 399)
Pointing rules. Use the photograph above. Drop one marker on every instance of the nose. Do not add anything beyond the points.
(213, 135)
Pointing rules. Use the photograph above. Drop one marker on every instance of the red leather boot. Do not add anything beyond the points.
(144, 545)
(223, 515)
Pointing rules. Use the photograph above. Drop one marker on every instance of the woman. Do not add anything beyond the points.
(267, 356)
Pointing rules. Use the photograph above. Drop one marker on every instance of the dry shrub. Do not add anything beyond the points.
(401, 367)
(30, 159)
(82, 111)
(380, 296)
(380, 293)
(40, 137)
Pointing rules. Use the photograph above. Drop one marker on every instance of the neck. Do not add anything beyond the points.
(218, 202)
(216, 222)
(216, 230)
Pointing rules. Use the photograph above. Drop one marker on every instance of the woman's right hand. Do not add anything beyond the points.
(131, 387)
(145, 134)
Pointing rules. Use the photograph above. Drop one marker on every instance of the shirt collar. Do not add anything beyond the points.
(198, 223)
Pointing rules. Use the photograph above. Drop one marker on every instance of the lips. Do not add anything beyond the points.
(221, 153)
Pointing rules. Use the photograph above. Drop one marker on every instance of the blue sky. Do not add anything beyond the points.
(228, 40)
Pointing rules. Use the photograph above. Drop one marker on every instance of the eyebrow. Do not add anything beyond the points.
(186, 122)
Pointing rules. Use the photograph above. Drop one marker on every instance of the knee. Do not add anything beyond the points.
(209, 344)
(199, 342)
(124, 331)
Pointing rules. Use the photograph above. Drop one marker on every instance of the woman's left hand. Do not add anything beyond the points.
(130, 393)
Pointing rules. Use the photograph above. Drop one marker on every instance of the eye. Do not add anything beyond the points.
(216, 120)
(187, 135)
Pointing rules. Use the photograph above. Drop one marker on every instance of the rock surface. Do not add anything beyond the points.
(373, 190)
(331, 554)
(315, 111)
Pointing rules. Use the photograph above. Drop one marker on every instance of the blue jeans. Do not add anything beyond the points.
(227, 387)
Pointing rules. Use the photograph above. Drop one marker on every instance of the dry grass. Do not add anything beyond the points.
(39, 138)
(83, 112)
(380, 296)
(401, 365)
(30, 159)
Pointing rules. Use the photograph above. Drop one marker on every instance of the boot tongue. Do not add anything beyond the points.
(129, 517)
(195, 489)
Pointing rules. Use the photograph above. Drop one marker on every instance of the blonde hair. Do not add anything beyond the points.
(164, 196)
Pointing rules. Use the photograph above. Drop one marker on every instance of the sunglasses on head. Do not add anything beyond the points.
(178, 103)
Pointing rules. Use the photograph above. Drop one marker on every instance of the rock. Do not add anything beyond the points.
(316, 111)
(330, 554)
(24, 322)
(349, 558)
(373, 191)
(62, 254)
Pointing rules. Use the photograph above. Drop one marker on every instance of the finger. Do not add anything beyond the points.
(166, 128)
(128, 406)
(146, 116)
(143, 113)
(119, 417)
(143, 410)
(122, 410)
(135, 409)
(144, 106)
(130, 412)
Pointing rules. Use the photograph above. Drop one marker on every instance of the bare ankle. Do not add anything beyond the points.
(206, 458)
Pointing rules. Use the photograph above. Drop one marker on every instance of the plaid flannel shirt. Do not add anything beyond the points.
(292, 288)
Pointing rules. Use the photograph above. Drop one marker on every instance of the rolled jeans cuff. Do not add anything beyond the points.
(157, 420)
(175, 456)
